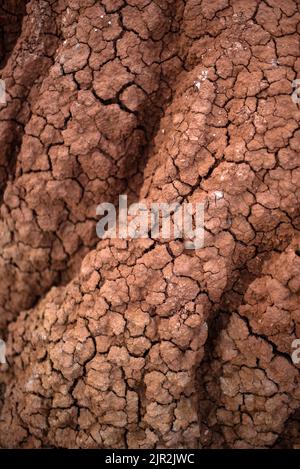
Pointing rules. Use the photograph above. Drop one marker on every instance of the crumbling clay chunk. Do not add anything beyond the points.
(146, 343)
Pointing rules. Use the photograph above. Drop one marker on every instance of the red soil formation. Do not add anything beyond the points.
(142, 343)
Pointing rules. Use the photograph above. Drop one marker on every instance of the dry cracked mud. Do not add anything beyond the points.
(142, 343)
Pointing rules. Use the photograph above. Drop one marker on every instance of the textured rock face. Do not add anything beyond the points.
(142, 343)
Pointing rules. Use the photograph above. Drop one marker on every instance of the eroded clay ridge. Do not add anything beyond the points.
(141, 343)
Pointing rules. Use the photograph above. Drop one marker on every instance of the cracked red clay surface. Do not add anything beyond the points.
(141, 343)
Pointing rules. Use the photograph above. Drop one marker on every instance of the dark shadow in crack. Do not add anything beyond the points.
(12, 13)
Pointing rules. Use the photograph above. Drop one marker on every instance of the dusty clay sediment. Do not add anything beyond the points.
(142, 343)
